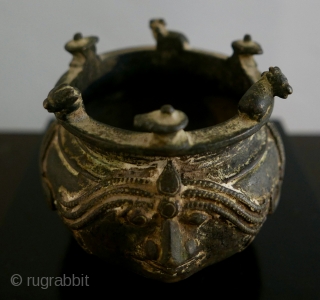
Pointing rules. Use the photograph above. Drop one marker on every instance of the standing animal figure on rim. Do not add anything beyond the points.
(259, 98)
(167, 40)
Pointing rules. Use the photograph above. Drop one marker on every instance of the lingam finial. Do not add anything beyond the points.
(246, 46)
(165, 120)
(80, 43)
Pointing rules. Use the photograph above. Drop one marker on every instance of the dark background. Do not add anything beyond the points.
(282, 262)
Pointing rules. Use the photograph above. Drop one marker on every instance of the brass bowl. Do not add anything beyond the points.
(169, 191)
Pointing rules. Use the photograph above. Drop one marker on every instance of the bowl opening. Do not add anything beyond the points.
(142, 82)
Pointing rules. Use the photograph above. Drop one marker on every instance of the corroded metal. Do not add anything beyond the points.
(162, 158)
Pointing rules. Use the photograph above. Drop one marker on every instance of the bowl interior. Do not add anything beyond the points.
(135, 83)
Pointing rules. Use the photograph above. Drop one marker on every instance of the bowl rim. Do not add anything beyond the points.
(109, 138)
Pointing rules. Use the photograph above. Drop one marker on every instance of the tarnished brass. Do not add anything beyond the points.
(162, 158)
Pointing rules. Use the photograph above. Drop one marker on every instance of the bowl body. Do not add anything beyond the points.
(168, 200)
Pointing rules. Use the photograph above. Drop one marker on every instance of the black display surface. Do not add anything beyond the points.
(283, 262)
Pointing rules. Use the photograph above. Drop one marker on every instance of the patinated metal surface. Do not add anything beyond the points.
(162, 158)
